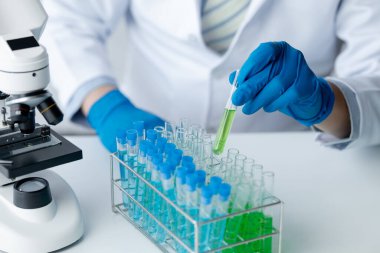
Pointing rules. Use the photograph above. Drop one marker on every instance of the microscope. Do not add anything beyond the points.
(39, 212)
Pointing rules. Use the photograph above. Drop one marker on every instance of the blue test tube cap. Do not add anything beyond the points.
(191, 181)
(160, 143)
(201, 178)
(157, 159)
(206, 195)
(187, 159)
(165, 171)
(178, 153)
(169, 147)
(181, 174)
(215, 183)
(143, 146)
(139, 126)
(190, 167)
(150, 151)
(132, 136)
(121, 136)
(173, 161)
(224, 191)
(151, 135)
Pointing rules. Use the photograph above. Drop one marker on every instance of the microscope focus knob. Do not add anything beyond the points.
(31, 193)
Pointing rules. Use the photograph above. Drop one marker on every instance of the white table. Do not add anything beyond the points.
(332, 198)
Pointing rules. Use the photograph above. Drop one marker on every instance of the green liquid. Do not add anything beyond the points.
(223, 131)
(249, 226)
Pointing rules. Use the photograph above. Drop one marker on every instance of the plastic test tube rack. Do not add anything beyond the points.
(268, 240)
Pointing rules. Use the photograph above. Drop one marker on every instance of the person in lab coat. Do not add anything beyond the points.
(302, 63)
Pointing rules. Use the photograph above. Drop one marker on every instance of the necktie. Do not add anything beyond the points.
(220, 21)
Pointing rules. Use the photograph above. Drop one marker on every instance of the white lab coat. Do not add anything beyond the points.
(173, 74)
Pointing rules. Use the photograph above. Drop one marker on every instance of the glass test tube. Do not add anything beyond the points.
(159, 130)
(227, 120)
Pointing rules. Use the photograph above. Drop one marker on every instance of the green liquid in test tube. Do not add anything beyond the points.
(226, 122)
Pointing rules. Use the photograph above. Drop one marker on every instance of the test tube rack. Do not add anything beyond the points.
(268, 240)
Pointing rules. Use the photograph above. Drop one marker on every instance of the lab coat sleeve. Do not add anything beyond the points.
(75, 37)
(357, 71)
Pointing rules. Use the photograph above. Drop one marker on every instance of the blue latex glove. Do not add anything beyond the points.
(114, 113)
(277, 77)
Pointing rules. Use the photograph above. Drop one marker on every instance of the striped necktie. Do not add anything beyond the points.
(220, 21)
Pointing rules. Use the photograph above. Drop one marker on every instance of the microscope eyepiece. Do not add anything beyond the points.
(50, 110)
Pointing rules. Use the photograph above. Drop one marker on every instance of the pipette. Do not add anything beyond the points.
(227, 120)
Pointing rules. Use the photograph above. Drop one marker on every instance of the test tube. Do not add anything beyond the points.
(239, 204)
(121, 145)
(226, 122)
(184, 123)
(154, 197)
(159, 130)
(132, 163)
(196, 130)
(169, 148)
(248, 167)
(191, 205)
(169, 136)
(267, 221)
(170, 128)
(201, 179)
(232, 153)
(226, 168)
(151, 135)
(180, 138)
(140, 127)
(140, 186)
(268, 181)
(180, 184)
(218, 230)
(160, 144)
(148, 192)
(167, 181)
(214, 184)
(205, 213)
(197, 152)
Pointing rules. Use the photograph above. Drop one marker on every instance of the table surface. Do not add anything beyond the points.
(331, 197)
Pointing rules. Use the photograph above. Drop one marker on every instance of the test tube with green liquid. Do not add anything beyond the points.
(226, 122)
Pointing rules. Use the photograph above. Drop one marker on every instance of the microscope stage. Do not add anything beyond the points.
(37, 153)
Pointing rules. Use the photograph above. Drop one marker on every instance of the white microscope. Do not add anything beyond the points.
(39, 212)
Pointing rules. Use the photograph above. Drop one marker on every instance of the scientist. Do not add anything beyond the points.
(319, 64)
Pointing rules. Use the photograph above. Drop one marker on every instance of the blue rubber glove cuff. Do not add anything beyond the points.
(324, 98)
(104, 106)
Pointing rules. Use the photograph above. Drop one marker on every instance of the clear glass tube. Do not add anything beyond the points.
(239, 160)
(248, 167)
(268, 181)
(160, 130)
(196, 130)
(169, 136)
(257, 186)
(226, 121)
(232, 153)
(197, 151)
(180, 138)
(190, 145)
(184, 123)
(170, 127)
(207, 148)
(226, 170)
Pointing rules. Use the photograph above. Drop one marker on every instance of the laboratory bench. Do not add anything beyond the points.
(332, 197)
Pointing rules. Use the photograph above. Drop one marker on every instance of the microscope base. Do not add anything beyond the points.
(45, 229)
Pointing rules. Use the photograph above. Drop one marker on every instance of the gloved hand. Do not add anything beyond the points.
(277, 77)
(114, 113)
